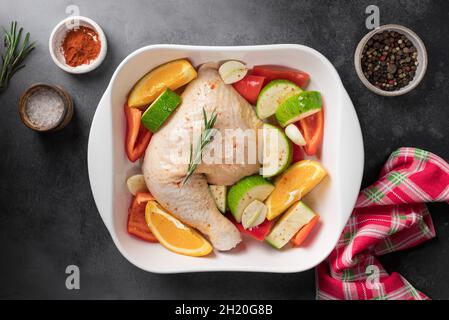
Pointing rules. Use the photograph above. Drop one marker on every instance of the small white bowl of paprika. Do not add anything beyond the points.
(77, 45)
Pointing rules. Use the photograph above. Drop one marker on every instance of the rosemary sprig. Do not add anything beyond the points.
(205, 138)
(14, 55)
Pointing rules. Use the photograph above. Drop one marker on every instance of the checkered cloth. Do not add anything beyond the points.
(389, 216)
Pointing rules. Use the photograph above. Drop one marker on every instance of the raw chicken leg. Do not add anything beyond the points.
(193, 203)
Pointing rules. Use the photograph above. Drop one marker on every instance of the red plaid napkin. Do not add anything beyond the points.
(389, 216)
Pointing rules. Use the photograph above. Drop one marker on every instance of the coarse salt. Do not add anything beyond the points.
(45, 108)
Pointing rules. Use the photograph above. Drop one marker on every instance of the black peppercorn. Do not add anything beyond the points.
(389, 60)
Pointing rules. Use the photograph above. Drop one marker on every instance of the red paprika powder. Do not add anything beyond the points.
(81, 46)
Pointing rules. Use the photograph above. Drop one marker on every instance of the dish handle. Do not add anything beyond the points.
(100, 147)
(353, 157)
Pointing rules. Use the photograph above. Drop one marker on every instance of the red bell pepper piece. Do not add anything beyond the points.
(271, 73)
(298, 154)
(137, 225)
(312, 128)
(249, 87)
(259, 233)
(137, 136)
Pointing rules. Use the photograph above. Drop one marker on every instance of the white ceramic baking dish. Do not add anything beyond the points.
(342, 155)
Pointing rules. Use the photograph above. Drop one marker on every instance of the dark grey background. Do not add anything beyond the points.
(48, 219)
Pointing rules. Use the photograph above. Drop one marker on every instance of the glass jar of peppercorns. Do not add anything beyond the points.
(391, 60)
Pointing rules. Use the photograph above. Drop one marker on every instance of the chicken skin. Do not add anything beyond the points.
(165, 165)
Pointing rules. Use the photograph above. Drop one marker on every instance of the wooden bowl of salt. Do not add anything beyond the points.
(45, 108)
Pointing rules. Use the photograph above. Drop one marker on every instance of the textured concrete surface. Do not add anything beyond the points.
(48, 219)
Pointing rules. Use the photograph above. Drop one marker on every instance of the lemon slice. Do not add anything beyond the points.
(173, 234)
(294, 184)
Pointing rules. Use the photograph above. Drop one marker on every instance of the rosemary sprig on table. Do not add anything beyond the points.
(205, 138)
(14, 55)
